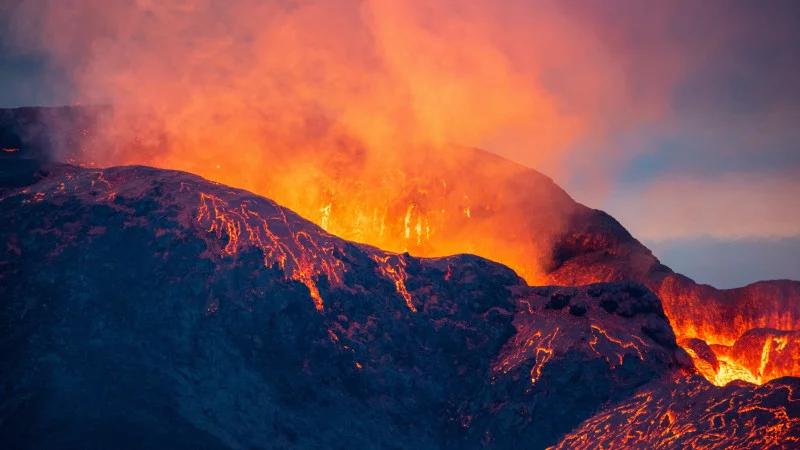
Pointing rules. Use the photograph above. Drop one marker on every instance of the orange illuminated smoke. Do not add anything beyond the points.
(355, 115)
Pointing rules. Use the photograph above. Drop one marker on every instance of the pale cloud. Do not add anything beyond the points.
(728, 206)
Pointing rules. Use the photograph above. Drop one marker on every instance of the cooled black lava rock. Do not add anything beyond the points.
(143, 308)
(125, 314)
(558, 300)
(686, 414)
(562, 366)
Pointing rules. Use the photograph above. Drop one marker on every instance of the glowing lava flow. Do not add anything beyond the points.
(689, 415)
(756, 357)
(405, 206)
(396, 272)
(302, 258)
(544, 351)
(542, 347)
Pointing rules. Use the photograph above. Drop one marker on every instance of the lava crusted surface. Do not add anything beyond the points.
(147, 308)
(576, 349)
(177, 312)
(690, 414)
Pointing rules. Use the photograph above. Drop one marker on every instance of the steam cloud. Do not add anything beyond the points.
(244, 77)
(231, 88)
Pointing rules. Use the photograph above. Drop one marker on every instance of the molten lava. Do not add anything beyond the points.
(305, 265)
(686, 416)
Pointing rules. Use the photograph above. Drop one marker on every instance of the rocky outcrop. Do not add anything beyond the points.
(137, 306)
(575, 350)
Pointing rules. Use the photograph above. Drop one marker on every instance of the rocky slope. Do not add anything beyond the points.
(146, 308)
(688, 415)
(433, 204)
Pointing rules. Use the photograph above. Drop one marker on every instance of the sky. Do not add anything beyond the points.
(678, 118)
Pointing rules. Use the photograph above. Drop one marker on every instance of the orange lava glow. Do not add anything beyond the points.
(396, 272)
(597, 333)
(357, 116)
(541, 345)
(305, 265)
(758, 356)
(731, 336)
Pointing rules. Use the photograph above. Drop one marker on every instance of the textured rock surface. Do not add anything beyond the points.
(145, 308)
(572, 244)
(575, 350)
(688, 414)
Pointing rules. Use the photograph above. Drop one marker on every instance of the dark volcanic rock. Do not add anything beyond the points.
(689, 414)
(560, 367)
(150, 304)
(144, 308)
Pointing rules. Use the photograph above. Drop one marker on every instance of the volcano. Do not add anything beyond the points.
(174, 311)
(437, 203)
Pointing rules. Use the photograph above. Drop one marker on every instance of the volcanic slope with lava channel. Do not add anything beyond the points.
(145, 308)
(429, 202)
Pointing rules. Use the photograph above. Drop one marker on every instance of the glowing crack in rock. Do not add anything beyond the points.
(393, 267)
(541, 345)
(688, 414)
(597, 333)
(302, 258)
(544, 351)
